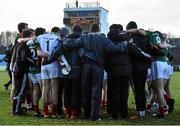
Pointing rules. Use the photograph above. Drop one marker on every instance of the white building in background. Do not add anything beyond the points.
(86, 13)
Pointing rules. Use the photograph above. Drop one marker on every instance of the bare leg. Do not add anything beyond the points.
(54, 93)
(45, 91)
(159, 88)
(36, 94)
(167, 88)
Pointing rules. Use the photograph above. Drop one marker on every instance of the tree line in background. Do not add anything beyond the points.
(7, 38)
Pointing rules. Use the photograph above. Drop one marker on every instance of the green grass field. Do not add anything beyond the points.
(6, 118)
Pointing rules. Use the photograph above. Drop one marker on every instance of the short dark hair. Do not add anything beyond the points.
(64, 31)
(31, 30)
(26, 33)
(77, 28)
(113, 26)
(117, 27)
(131, 25)
(94, 28)
(39, 31)
(120, 27)
(55, 29)
(113, 35)
(21, 26)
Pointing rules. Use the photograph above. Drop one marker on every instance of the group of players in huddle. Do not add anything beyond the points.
(70, 69)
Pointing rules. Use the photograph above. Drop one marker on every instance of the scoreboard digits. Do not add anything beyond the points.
(81, 20)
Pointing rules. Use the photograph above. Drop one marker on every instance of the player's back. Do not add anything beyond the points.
(48, 42)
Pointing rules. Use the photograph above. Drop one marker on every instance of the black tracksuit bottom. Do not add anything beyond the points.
(20, 83)
(60, 97)
(118, 96)
(92, 80)
(139, 76)
(72, 94)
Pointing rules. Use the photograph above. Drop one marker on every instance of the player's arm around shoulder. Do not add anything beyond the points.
(111, 47)
(137, 31)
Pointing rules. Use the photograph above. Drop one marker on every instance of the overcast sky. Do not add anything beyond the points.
(163, 15)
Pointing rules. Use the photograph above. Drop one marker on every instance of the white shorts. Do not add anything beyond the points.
(50, 71)
(35, 78)
(149, 76)
(105, 75)
(170, 70)
(159, 70)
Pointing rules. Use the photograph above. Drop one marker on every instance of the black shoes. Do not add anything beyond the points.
(5, 87)
(170, 104)
(37, 114)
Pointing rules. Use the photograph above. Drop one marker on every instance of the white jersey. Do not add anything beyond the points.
(48, 42)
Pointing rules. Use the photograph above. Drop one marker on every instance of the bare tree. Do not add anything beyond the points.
(0, 39)
(3, 38)
(8, 37)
